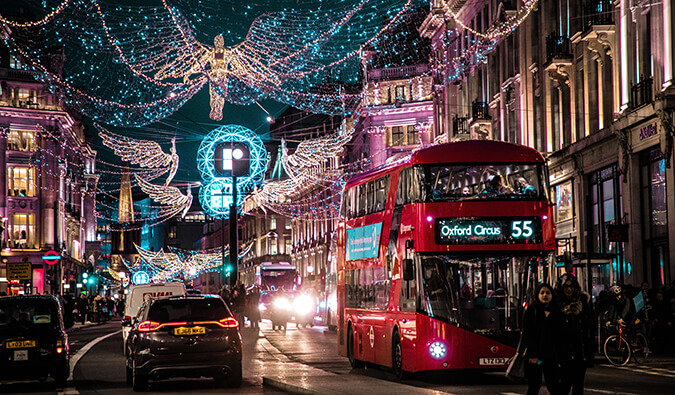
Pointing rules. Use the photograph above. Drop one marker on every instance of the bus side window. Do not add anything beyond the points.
(351, 203)
(401, 196)
(361, 205)
(370, 198)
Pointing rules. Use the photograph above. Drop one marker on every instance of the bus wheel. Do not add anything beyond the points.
(350, 349)
(397, 357)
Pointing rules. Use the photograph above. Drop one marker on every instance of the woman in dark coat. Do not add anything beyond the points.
(577, 322)
(541, 344)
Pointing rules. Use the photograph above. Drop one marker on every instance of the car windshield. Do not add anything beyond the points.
(482, 294)
(487, 181)
(28, 313)
(188, 310)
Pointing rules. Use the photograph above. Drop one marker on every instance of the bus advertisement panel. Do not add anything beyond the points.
(435, 253)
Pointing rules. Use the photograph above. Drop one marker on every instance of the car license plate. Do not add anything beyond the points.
(195, 330)
(21, 355)
(20, 344)
(493, 361)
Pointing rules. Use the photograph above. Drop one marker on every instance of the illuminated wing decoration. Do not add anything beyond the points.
(167, 195)
(145, 153)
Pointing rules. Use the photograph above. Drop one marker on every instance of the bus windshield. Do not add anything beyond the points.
(487, 181)
(483, 294)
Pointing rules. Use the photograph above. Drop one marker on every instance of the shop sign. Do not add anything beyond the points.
(19, 271)
(648, 131)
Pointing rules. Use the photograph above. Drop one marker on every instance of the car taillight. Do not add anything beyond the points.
(228, 322)
(148, 326)
(61, 344)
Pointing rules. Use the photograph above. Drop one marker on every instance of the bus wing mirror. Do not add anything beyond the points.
(408, 270)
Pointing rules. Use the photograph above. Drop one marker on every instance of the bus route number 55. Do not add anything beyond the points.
(521, 229)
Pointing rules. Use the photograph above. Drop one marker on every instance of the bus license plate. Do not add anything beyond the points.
(195, 330)
(21, 355)
(20, 344)
(493, 361)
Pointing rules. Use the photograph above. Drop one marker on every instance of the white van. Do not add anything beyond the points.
(138, 294)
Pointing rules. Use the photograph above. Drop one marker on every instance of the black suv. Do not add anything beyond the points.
(34, 340)
(184, 336)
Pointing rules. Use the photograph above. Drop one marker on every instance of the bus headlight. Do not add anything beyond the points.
(303, 304)
(281, 303)
(437, 350)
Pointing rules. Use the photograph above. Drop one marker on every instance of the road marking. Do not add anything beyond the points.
(608, 392)
(76, 358)
(661, 372)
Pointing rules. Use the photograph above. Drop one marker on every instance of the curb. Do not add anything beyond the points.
(294, 389)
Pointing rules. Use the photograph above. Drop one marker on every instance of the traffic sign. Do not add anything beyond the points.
(51, 257)
(617, 233)
(19, 271)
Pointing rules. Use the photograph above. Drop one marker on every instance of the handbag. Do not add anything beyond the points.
(516, 370)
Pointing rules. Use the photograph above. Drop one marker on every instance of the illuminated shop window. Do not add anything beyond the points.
(22, 231)
(21, 181)
(21, 140)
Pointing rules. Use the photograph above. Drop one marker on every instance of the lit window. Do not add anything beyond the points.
(21, 140)
(22, 231)
(273, 223)
(21, 181)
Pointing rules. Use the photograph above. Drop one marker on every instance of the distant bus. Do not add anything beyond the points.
(435, 253)
(274, 278)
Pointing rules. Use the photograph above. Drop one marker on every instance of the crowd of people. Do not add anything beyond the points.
(558, 340)
(243, 304)
(93, 308)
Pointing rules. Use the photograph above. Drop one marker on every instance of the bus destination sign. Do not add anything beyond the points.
(477, 230)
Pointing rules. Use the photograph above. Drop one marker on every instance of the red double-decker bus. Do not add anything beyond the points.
(435, 253)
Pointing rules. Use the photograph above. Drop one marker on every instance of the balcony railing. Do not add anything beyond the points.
(557, 47)
(598, 12)
(480, 110)
(460, 125)
(642, 93)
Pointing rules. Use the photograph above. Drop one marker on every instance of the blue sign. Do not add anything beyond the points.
(140, 278)
(470, 230)
(639, 301)
(364, 242)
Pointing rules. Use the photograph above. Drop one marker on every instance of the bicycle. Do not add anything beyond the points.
(618, 349)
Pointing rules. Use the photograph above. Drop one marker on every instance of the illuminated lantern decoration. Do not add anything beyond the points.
(226, 151)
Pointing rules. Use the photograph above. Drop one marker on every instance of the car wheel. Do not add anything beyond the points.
(350, 350)
(397, 358)
(234, 377)
(139, 381)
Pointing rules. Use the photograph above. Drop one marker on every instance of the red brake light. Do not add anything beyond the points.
(228, 322)
(148, 326)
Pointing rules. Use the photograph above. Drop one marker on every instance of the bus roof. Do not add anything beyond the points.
(469, 151)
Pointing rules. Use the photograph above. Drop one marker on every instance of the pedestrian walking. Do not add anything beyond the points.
(252, 302)
(577, 324)
(542, 342)
(83, 307)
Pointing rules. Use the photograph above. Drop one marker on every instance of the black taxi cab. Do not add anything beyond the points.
(33, 340)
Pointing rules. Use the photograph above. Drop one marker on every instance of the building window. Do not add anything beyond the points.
(273, 247)
(21, 181)
(273, 223)
(400, 93)
(606, 206)
(22, 231)
(288, 223)
(21, 140)
(411, 135)
(15, 63)
(289, 246)
(397, 136)
(172, 232)
(655, 218)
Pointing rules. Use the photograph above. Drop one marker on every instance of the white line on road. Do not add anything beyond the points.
(644, 370)
(76, 358)
(608, 392)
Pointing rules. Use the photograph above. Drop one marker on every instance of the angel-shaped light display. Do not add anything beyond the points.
(145, 153)
(167, 195)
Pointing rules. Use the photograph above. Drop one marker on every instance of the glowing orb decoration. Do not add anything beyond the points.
(215, 195)
(140, 278)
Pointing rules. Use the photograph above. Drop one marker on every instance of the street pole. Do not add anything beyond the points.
(234, 250)
(222, 245)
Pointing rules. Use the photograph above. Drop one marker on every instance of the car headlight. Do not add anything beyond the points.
(262, 307)
(281, 303)
(303, 304)
(437, 349)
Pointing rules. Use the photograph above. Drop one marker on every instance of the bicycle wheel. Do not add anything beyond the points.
(641, 348)
(617, 350)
